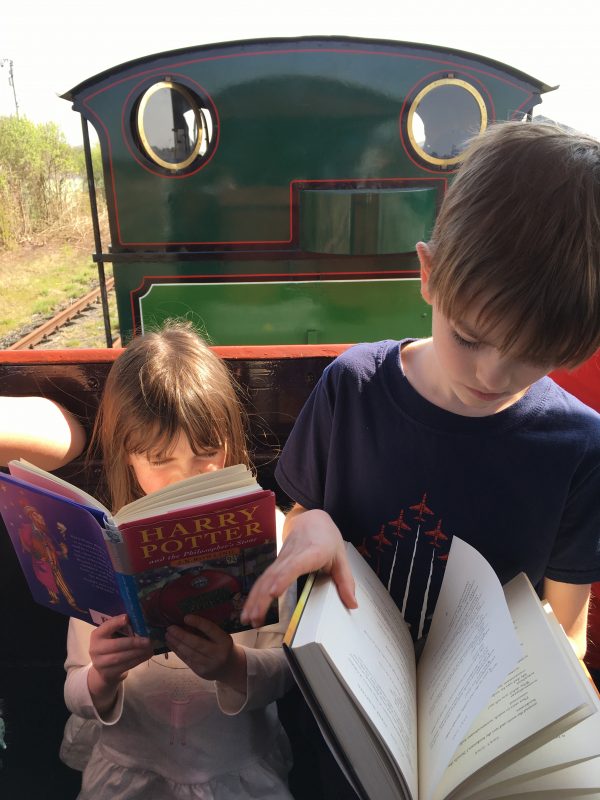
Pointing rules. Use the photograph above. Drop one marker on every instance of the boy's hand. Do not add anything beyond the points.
(312, 542)
(112, 656)
(210, 653)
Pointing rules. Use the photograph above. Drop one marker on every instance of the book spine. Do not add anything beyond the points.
(115, 545)
(298, 611)
(111, 531)
(128, 591)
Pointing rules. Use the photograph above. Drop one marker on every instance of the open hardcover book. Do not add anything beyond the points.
(497, 707)
(196, 547)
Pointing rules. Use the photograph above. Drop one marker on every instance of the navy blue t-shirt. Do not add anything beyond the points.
(401, 476)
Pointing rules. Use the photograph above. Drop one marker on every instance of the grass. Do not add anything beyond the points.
(36, 281)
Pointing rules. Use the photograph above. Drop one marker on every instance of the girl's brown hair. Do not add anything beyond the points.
(518, 238)
(165, 382)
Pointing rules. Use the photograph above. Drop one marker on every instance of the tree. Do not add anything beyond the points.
(41, 177)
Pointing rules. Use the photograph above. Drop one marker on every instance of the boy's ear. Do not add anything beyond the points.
(424, 255)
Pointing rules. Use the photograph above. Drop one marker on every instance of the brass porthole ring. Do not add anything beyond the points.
(193, 105)
(431, 87)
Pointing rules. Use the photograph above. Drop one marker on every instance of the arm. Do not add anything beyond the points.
(570, 603)
(77, 665)
(40, 431)
(250, 671)
(97, 664)
(268, 678)
(112, 657)
(259, 673)
(312, 541)
(209, 651)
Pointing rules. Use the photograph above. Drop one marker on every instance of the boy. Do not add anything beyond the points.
(404, 444)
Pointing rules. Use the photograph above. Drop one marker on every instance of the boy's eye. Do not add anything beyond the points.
(471, 345)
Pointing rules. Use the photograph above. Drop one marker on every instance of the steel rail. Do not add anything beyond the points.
(50, 326)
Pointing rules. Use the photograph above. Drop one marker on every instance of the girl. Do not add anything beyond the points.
(202, 722)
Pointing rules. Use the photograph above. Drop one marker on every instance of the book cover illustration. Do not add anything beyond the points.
(201, 561)
(60, 547)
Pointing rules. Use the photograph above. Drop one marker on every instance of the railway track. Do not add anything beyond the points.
(51, 326)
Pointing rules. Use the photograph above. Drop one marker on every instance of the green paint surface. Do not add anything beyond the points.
(307, 312)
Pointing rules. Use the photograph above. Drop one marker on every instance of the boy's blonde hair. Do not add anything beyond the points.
(165, 382)
(518, 238)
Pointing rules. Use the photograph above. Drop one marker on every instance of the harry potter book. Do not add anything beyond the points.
(498, 705)
(194, 547)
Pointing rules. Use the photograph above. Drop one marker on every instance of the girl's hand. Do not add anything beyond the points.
(312, 541)
(210, 653)
(112, 656)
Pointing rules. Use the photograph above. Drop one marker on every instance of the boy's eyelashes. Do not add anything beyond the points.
(468, 343)
(473, 344)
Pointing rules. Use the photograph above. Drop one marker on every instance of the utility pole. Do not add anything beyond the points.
(11, 80)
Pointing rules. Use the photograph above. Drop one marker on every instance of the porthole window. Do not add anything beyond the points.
(175, 127)
(443, 116)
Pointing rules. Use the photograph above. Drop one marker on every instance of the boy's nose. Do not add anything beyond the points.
(493, 374)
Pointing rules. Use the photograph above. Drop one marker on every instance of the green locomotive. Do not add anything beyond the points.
(273, 191)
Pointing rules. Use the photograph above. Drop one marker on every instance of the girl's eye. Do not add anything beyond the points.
(470, 345)
(156, 462)
(208, 454)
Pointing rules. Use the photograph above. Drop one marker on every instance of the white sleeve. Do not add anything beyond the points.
(268, 673)
(77, 665)
(268, 677)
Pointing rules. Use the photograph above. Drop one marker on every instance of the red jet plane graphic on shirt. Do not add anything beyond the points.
(421, 509)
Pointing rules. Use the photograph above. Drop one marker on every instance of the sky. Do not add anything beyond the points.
(56, 44)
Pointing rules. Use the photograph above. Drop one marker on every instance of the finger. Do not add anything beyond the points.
(119, 644)
(113, 662)
(116, 666)
(206, 627)
(192, 649)
(294, 560)
(262, 594)
(344, 581)
(178, 637)
(114, 625)
(286, 569)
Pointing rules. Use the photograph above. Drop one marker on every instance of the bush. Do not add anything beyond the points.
(42, 179)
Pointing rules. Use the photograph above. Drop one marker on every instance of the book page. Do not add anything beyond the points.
(225, 482)
(574, 780)
(191, 499)
(542, 697)
(567, 754)
(36, 476)
(371, 649)
(470, 649)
